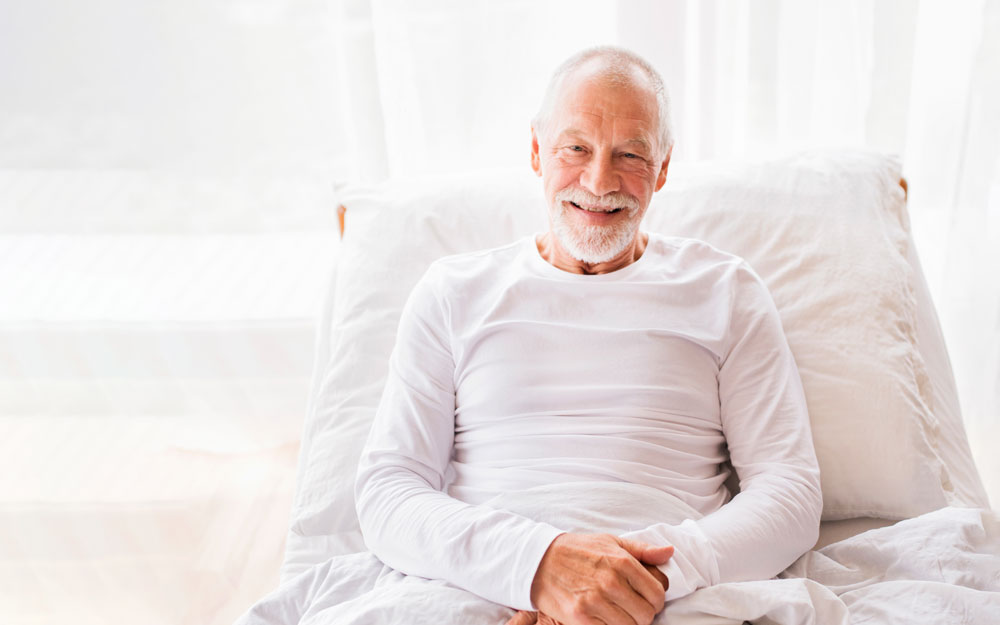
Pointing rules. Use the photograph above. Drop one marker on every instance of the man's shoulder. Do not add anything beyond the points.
(482, 258)
(736, 286)
(691, 254)
(483, 266)
(696, 262)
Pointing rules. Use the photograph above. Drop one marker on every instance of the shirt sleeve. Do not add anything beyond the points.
(407, 520)
(775, 517)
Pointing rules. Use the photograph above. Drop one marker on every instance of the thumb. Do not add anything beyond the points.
(645, 552)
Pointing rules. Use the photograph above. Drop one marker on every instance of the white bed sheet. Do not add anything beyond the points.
(941, 567)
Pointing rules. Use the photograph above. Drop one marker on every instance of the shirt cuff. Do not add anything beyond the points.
(694, 564)
(527, 563)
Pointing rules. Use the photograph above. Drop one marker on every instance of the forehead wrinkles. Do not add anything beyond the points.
(601, 106)
(586, 103)
(603, 128)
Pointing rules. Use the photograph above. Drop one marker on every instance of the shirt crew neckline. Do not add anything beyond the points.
(548, 269)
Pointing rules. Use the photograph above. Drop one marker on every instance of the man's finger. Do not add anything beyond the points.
(659, 575)
(618, 614)
(523, 618)
(646, 553)
(647, 587)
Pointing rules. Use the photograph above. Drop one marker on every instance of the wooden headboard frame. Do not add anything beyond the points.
(343, 209)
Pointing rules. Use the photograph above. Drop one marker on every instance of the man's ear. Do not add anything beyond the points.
(536, 161)
(661, 178)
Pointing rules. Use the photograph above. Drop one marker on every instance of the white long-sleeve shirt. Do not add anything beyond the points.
(509, 373)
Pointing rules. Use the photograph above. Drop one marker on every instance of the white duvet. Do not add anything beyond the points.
(942, 567)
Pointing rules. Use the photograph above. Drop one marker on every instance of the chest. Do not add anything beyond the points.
(638, 353)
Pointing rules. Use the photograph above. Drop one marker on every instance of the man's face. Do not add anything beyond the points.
(600, 163)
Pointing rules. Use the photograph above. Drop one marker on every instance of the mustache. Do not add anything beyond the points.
(615, 199)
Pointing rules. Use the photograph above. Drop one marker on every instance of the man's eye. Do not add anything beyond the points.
(576, 148)
(630, 155)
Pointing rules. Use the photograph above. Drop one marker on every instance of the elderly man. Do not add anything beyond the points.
(592, 356)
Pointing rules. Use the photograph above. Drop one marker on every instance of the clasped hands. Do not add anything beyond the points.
(586, 579)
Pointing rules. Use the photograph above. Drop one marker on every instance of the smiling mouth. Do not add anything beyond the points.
(605, 211)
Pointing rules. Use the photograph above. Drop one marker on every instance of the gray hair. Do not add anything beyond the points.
(618, 66)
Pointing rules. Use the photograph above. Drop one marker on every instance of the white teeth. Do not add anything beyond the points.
(596, 210)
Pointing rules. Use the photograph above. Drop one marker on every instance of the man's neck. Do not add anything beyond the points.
(553, 253)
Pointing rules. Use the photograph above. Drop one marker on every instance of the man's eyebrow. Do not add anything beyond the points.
(642, 142)
(570, 133)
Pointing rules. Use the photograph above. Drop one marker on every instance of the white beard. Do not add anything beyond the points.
(594, 244)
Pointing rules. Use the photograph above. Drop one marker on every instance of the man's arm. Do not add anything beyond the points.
(414, 527)
(775, 518)
(406, 519)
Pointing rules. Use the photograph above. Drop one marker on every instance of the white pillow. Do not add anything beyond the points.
(828, 233)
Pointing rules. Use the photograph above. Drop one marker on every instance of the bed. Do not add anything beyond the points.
(907, 532)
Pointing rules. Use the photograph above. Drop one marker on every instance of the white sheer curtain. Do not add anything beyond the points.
(445, 86)
(166, 228)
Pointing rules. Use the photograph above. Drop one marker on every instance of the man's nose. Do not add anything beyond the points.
(599, 176)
